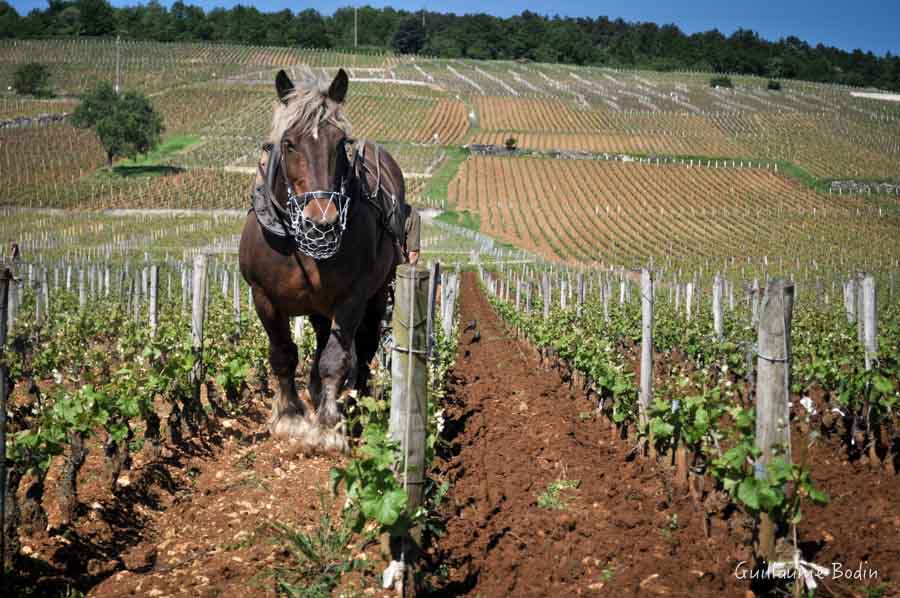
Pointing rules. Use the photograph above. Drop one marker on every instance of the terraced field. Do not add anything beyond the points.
(624, 212)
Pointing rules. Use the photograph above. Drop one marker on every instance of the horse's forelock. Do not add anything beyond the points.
(307, 106)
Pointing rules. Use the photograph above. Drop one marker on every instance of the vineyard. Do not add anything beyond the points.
(677, 373)
(686, 211)
(221, 97)
(643, 281)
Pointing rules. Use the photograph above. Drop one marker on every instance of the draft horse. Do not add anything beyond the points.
(332, 259)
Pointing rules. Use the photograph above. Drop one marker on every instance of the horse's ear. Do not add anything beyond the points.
(338, 90)
(283, 85)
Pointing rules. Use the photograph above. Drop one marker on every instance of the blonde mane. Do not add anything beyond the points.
(308, 107)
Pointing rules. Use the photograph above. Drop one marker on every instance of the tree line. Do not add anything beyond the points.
(599, 41)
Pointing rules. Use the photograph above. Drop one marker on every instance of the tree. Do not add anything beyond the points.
(96, 17)
(10, 21)
(68, 21)
(310, 31)
(32, 79)
(410, 36)
(126, 124)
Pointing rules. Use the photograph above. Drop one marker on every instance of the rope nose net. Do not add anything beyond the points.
(319, 240)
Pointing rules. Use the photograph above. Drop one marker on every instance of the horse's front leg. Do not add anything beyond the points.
(337, 363)
(288, 412)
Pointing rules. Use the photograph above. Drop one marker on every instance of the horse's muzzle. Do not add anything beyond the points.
(318, 221)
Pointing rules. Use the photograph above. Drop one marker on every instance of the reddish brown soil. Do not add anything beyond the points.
(198, 522)
(514, 429)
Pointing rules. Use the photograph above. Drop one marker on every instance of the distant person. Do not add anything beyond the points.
(15, 253)
(413, 229)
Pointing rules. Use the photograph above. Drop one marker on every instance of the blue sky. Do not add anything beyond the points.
(866, 24)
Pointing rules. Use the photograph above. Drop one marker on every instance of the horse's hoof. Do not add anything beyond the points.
(311, 437)
(334, 441)
(293, 426)
(327, 441)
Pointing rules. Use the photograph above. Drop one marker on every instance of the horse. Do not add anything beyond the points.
(336, 265)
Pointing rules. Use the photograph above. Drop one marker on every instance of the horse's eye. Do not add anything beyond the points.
(290, 146)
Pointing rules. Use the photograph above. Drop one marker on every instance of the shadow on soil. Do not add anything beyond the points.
(89, 556)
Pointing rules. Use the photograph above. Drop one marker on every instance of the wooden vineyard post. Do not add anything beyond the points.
(563, 291)
(45, 293)
(13, 309)
(122, 274)
(409, 411)
(5, 284)
(154, 299)
(607, 290)
(688, 299)
(860, 312)
(38, 308)
(545, 292)
(236, 301)
(82, 292)
(518, 295)
(773, 434)
(135, 299)
(754, 303)
(869, 317)
(580, 293)
(730, 296)
(448, 303)
(646, 392)
(184, 288)
(206, 292)
(225, 281)
(850, 300)
(718, 315)
(198, 313)
(434, 279)
(528, 296)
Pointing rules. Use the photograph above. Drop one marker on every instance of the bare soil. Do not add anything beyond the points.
(514, 429)
(199, 521)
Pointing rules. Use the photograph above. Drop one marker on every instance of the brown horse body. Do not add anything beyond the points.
(344, 296)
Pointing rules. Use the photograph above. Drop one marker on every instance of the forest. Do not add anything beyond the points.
(600, 41)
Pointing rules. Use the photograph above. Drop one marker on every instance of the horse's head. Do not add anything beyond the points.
(310, 130)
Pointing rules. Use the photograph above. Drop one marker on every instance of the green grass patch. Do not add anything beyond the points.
(551, 498)
(167, 148)
(318, 558)
(800, 175)
(436, 188)
(149, 164)
(465, 219)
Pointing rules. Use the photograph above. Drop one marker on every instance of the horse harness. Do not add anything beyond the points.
(317, 240)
